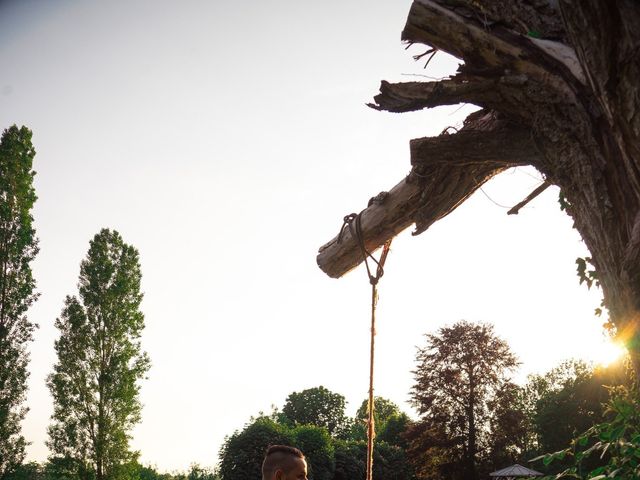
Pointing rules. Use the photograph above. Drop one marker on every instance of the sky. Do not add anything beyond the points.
(226, 141)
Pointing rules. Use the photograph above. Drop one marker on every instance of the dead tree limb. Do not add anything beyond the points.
(436, 186)
(516, 208)
(411, 96)
(380, 221)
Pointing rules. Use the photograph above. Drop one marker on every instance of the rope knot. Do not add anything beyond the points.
(353, 222)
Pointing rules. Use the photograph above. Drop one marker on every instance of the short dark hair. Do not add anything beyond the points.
(279, 456)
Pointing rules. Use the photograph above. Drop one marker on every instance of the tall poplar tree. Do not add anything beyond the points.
(18, 247)
(96, 382)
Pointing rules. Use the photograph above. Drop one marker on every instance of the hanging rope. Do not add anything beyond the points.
(353, 221)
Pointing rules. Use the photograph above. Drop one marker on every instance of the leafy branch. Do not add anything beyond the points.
(616, 442)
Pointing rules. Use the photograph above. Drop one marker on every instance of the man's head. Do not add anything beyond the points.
(284, 463)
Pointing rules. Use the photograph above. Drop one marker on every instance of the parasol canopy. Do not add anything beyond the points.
(515, 471)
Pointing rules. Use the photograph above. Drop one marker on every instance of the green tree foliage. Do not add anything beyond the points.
(394, 429)
(390, 422)
(564, 403)
(242, 453)
(66, 468)
(383, 410)
(196, 472)
(18, 247)
(26, 471)
(328, 458)
(389, 461)
(510, 439)
(316, 406)
(150, 473)
(96, 381)
(609, 449)
(58, 468)
(568, 400)
(317, 446)
(350, 460)
(459, 372)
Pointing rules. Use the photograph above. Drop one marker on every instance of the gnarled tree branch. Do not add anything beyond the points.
(438, 183)
(487, 51)
(411, 96)
(507, 144)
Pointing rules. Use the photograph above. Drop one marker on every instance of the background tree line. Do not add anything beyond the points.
(314, 420)
(472, 418)
(55, 469)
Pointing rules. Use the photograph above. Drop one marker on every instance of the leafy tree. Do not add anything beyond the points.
(384, 409)
(26, 471)
(316, 406)
(434, 453)
(96, 382)
(66, 468)
(350, 460)
(317, 446)
(390, 463)
(18, 247)
(196, 472)
(609, 449)
(510, 439)
(242, 453)
(568, 400)
(390, 422)
(150, 473)
(394, 430)
(459, 372)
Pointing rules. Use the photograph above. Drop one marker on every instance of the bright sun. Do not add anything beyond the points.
(608, 352)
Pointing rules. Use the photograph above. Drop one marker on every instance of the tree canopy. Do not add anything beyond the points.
(390, 422)
(316, 406)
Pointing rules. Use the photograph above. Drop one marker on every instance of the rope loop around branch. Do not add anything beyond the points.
(353, 221)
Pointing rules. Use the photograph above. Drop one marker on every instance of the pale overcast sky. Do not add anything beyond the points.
(226, 140)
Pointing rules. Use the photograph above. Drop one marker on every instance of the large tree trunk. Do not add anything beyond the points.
(560, 90)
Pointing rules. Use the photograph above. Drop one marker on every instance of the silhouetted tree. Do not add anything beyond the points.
(460, 370)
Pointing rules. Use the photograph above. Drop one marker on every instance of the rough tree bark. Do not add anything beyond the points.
(558, 84)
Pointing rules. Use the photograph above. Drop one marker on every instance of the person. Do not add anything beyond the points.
(282, 462)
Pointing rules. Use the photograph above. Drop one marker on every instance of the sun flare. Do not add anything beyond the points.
(608, 352)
